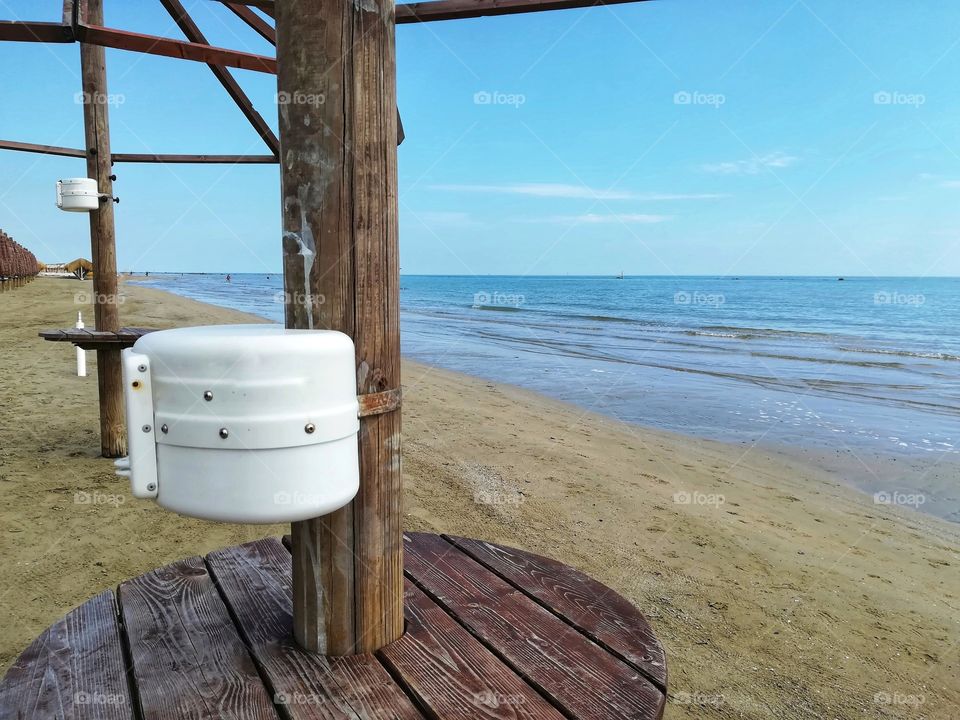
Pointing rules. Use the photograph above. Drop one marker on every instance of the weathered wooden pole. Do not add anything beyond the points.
(96, 122)
(338, 153)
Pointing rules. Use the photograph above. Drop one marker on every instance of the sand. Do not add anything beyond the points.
(777, 591)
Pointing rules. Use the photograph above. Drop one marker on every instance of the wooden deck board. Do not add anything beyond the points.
(492, 633)
(255, 580)
(188, 660)
(96, 339)
(553, 656)
(74, 669)
(588, 605)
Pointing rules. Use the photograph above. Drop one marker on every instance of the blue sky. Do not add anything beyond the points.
(667, 137)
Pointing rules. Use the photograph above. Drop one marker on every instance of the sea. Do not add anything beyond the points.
(860, 376)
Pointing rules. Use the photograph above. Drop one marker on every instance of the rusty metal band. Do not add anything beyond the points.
(380, 403)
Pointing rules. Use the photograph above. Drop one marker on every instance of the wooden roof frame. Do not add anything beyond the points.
(74, 28)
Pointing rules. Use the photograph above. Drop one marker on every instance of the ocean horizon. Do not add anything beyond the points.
(858, 376)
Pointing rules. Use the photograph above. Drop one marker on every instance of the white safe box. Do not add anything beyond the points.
(242, 423)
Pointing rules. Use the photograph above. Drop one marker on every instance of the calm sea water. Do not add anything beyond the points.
(861, 374)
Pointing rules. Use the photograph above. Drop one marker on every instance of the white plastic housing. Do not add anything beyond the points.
(78, 194)
(248, 423)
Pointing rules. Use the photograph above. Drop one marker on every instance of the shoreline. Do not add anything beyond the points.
(887, 474)
(776, 590)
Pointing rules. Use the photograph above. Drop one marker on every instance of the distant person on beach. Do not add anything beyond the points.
(228, 278)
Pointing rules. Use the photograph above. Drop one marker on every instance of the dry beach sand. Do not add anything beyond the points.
(777, 591)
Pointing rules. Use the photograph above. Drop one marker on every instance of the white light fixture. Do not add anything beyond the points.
(242, 423)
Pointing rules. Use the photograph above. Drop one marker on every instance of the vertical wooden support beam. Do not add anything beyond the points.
(338, 155)
(96, 121)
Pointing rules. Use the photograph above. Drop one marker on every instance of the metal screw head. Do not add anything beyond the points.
(207, 395)
(224, 433)
(146, 428)
(151, 486)
(142, 368)
(309, 428)
(164, 429)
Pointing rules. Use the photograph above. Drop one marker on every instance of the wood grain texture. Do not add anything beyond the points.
(75, 669)
(454, 675)
(557, 659)
(103, 241)
(588, 605)
(255, 580)
(341, 272)
(188, 660)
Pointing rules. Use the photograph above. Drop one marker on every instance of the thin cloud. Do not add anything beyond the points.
(579, 192)
(951, 184)
(597, 219)
(753, 166)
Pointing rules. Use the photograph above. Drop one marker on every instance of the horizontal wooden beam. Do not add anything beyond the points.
(141, 157)
(46, 32)
(199, 159)
(154, 45)
(462, 9)
(42, 149)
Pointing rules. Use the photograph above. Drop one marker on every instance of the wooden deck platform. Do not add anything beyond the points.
(97, 339)
(492, 632)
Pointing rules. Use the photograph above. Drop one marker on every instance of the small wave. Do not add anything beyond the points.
(498, 308)
(903, 353)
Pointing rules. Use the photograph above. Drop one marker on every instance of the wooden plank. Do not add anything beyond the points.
(255, 580)
(74, 669)
(153, 45)
(452, 673)
(193, 33)
(42, 149)
(198, 159)
(434, 10)
(591, 607)
(188, 660)
(46, 32)
(340, 243)
(563, 664)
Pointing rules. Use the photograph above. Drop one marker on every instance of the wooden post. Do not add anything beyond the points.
(96, 122)
(338, 154)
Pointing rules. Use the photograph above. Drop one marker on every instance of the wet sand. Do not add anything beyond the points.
(776, 590)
